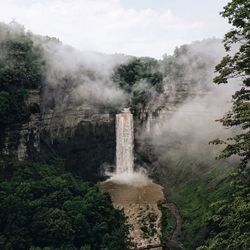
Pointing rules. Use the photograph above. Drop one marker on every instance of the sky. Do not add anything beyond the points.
(134, 27)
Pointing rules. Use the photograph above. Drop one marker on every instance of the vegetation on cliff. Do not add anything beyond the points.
(194, 200)
(141, 78)
(215, 211)
(21, 70)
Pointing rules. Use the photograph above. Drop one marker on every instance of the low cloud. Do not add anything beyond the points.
(104, 26)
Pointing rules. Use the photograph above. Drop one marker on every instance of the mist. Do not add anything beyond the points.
(181, 131)
(77, 78)
(186, 110)
(72, 77)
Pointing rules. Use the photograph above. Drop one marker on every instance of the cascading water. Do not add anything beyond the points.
(125, 173)
(124, 142)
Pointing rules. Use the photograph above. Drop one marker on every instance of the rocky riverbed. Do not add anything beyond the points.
(140, 205)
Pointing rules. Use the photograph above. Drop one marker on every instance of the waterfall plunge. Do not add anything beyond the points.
(125, 173)
(124, 142)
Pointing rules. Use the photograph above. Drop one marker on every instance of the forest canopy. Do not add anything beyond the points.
(42, 207)
(21, 70)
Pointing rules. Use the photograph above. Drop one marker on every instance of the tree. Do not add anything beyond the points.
(42, 207)
(140, 78)
(237, 66)
(21, 69)
(230, 221)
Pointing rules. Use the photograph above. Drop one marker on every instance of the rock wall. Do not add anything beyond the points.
(84, 138)
(20, 142)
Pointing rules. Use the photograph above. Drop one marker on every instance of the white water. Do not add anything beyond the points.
(124, 143)
(124, 173)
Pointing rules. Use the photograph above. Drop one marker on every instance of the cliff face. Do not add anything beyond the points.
(84, 138)
(20, 142)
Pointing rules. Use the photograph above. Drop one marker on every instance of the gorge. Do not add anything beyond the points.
(80, 171)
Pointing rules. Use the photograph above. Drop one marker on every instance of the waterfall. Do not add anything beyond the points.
(124, 142)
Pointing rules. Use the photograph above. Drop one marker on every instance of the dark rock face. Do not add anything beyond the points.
(9, 139)
(92, 145)
(84, 138)
(20, 142)
(85, 146)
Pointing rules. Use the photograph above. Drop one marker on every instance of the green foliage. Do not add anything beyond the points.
(237, 66)
(140, 78)
(20, 64)
(21, 69)
(167, 223)
(193, 201)
(230, 219)
(41, 208)
(12, 106)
